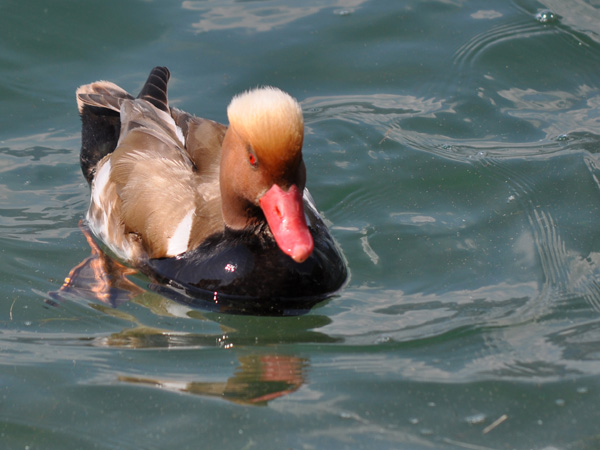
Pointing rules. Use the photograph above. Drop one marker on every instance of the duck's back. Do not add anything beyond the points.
(155, 191)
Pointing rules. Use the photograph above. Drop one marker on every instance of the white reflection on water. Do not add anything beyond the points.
(486, 14)
(405, 316)
(257, 16)
(511, 342)
(51, 138)
(373, 109)
(556, 112)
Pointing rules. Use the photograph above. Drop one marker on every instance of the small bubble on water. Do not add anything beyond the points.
(476, 419)
(546, 16)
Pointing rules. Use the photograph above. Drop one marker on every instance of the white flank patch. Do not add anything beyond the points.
(100, 182)
(178, 243)
(100, 227)
(101, 216)
(180, 135)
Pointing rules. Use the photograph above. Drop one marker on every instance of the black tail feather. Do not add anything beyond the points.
(99, 106)
(155, 88)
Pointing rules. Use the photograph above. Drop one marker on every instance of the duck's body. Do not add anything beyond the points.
(201, 205)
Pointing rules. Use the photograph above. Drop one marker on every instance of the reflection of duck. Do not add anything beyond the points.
(258, 380)
(210, 209)
(99, 277)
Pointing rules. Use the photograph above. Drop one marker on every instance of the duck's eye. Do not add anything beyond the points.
(252, 159)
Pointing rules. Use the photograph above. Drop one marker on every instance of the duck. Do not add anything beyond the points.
(207, 210)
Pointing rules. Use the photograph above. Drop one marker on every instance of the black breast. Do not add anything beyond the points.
(248, 273)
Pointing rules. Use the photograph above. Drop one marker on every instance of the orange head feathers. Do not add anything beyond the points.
(261, 166)
(271, 122)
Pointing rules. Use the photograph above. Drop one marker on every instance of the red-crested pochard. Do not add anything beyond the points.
(202, 207)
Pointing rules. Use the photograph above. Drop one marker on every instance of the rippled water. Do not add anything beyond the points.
(452, 147)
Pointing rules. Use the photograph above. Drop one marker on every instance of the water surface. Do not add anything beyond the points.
(451, 145)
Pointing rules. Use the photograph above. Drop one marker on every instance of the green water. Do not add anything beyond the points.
(451, 145)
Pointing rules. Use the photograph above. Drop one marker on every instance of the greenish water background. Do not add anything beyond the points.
(453, 147)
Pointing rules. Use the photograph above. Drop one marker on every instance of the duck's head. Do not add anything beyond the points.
(262, 168)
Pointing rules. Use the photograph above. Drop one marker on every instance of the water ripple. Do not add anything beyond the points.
(538, 24)
(567, 273)
(33, 205)
(480, 44)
